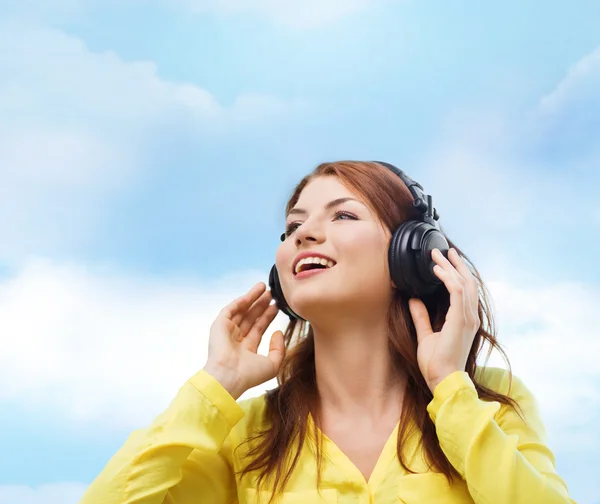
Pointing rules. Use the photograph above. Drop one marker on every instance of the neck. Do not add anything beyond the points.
(355, 374)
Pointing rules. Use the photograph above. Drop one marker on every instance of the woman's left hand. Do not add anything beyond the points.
(440, 354)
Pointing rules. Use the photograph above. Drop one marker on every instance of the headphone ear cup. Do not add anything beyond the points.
(410, 261)
(401, 259)
(277, 294)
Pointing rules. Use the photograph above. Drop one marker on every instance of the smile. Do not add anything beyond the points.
(310, 272)
(311, 261)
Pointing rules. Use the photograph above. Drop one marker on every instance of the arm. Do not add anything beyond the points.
(502, 459)
(183, 457)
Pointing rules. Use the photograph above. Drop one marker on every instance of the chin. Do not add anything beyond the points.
(318, 301)
(320, 304)
(307, 304)
(312, 312)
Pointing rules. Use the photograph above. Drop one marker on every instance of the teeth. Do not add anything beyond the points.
(314, 260)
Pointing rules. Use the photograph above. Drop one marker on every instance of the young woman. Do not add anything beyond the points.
(380, 399)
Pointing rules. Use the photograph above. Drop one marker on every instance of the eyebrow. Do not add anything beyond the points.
(328, 206)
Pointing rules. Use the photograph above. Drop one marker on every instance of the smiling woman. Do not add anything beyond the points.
(380, 397)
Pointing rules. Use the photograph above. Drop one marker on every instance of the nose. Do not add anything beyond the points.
(309, 232)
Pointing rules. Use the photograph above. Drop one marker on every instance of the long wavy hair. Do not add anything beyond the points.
(274, 451)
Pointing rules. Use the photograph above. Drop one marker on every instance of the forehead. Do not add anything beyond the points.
(323, 189)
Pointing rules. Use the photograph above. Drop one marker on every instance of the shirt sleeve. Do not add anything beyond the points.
(503, 459)
(183, 457)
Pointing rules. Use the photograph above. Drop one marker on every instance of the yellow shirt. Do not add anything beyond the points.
(186, 455)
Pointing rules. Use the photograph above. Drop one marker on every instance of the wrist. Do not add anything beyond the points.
(439, 379)
(228, 379)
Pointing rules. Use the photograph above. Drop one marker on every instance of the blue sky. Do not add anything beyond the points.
(147, 149)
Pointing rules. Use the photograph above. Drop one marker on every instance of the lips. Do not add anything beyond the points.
(310, 273)
(312, 258)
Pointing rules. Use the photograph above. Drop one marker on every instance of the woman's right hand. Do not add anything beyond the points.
(234, 338)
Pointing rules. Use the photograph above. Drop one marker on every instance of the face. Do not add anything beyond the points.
(350, 236)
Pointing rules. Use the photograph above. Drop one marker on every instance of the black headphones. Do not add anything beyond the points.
(409, 253)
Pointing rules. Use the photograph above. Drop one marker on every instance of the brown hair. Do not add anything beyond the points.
(288, 405)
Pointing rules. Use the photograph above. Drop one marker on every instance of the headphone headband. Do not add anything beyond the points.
(423, 202)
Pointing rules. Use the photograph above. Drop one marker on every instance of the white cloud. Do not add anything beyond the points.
(580, 85)
(569, 116)
(478, 182)
(55, 493)
(550, 337)
(493, 177)
(84, 344)
(306, 14)
(75, 127)
(484, 183)
(55, 78)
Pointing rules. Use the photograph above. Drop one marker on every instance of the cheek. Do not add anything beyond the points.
(369, 256)
(283, 258)
(365, 245)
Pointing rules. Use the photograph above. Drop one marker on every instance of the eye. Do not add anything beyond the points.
(340, 213)
(291, 228)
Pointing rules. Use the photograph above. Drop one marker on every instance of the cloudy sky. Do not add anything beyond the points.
(147, 149)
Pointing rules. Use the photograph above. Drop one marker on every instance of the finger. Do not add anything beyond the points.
(255, 311)
(444, 263)
(472, 288)
(259, 327)
(463, 269)
(449, 275)
(276, 349)
(236, 310)
(420, 317)
(456, 288)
